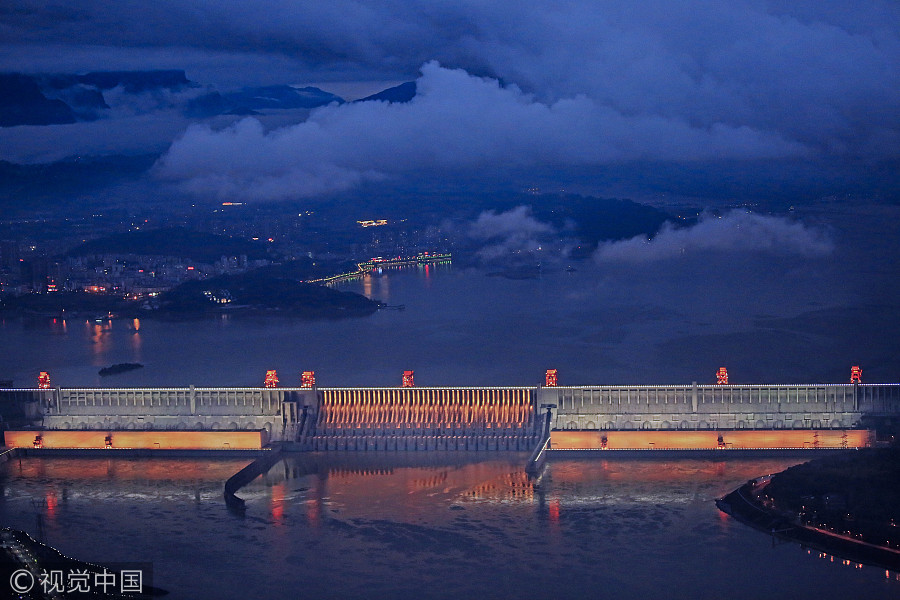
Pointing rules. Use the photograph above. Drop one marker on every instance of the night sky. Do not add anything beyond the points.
(501, 86)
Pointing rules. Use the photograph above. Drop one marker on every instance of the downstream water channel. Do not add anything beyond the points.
(425, 526)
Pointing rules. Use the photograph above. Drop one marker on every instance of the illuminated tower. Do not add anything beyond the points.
(44, 380)
(722, 376)
(550, 379)
(855, 374)
(308, 379)
(271, 379)
(408, 380)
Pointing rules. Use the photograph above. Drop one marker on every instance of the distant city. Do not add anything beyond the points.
(93, 256)
(140, 256)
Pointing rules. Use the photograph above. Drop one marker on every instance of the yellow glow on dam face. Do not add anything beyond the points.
(710, 439)
(159, 440)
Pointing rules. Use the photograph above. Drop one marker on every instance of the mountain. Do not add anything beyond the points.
(58, 98)
(29, 187)
(399, 93)
(250, 100)
(135, 82)
(23, 103)
(172, 241)
(54, 99)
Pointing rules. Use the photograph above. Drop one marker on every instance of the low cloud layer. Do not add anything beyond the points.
(456, 121)
(507, 233)
(736, 231)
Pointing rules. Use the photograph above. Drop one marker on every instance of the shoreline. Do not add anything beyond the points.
(744, 505)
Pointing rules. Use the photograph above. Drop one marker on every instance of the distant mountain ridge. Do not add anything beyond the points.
(399, 94)
(172, 241)
(61, 98)
(23, 103)
(56, 99)
(250, 100)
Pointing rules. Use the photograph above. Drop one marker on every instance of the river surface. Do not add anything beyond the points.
(426, 526)
(768, 317)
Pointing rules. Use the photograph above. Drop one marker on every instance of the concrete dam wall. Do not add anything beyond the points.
(311, 418)
(699, 407)
(455, 418)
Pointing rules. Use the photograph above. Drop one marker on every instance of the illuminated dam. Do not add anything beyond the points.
(465, 418)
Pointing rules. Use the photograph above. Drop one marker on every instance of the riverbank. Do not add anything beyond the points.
(847, 505)
(24, 562)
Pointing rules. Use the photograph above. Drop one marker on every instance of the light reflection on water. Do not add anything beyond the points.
(425, 526)
(600, 325)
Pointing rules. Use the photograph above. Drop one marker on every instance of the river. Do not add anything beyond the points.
(426, 526)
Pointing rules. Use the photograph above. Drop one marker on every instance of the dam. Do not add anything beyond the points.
(476, 418)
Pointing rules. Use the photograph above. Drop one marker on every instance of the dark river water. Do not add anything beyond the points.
(769, 317)
(426, 526)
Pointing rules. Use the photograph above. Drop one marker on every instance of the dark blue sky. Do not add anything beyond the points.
(528, 85)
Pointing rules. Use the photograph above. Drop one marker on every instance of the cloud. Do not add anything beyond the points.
(140, 134)
(456, 121)
(735, 232)
(586, 82)
(512, 223)
(512, 232)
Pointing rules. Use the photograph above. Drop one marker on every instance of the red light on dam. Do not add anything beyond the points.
(271, 380)
(722, 376)
(408, 379)
(308, 379)
(551, 378)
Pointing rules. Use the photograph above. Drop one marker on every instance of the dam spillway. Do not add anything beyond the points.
(455, 418)
(423, 418)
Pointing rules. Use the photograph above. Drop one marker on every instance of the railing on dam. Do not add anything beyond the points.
(720, 406)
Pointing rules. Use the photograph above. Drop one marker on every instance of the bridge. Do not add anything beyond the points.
(477, 418)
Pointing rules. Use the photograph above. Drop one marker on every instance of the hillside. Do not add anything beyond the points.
(172, 241)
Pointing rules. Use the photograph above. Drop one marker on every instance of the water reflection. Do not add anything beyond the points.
(99, 332)
(425, 525)
(58, 326)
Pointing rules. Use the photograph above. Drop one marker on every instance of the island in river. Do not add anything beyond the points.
(119, 368)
